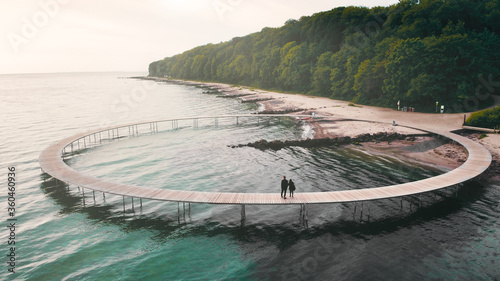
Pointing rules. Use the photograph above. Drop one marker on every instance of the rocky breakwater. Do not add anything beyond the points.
(283, 111)
(325, 142)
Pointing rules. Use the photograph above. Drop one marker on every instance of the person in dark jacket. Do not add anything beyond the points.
(284, 185)
(291, 187)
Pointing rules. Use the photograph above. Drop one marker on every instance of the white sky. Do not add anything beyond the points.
(43, 36)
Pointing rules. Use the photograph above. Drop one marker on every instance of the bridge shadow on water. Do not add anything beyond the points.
(382, 218)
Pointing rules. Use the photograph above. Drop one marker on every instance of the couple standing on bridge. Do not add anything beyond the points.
(284, 185)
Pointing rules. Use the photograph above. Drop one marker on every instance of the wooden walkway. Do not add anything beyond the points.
(51, 162)
(487, 130)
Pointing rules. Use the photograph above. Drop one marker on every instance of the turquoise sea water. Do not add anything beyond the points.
(444, 235)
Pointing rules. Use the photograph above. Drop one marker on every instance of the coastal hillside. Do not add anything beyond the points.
(415, 52)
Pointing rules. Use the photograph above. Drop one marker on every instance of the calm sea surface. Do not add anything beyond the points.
(447, 235)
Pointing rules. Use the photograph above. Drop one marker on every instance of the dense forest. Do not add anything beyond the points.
(415, 52)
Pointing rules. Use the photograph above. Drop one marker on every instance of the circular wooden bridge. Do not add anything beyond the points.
(51, 162)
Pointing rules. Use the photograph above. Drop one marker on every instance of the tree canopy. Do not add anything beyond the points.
(415, 52)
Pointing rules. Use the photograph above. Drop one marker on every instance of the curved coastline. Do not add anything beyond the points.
(444, 156)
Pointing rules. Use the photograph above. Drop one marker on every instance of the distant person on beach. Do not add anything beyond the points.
(284, 185)
(291, 187)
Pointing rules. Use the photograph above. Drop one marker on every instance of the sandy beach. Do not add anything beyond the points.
(439, 153)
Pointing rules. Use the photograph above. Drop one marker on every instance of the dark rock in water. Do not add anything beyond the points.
(232, 96)
(324, 142)
(276, 145)
(212, 92)
(364, 138)
(255, 100)
(284, 111)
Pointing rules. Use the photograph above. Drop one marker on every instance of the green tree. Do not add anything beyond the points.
(321, 84)
(413, 51)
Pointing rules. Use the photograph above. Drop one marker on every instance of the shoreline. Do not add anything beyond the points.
(423, 149)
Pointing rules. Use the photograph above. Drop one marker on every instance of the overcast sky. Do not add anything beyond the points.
(43, 36)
